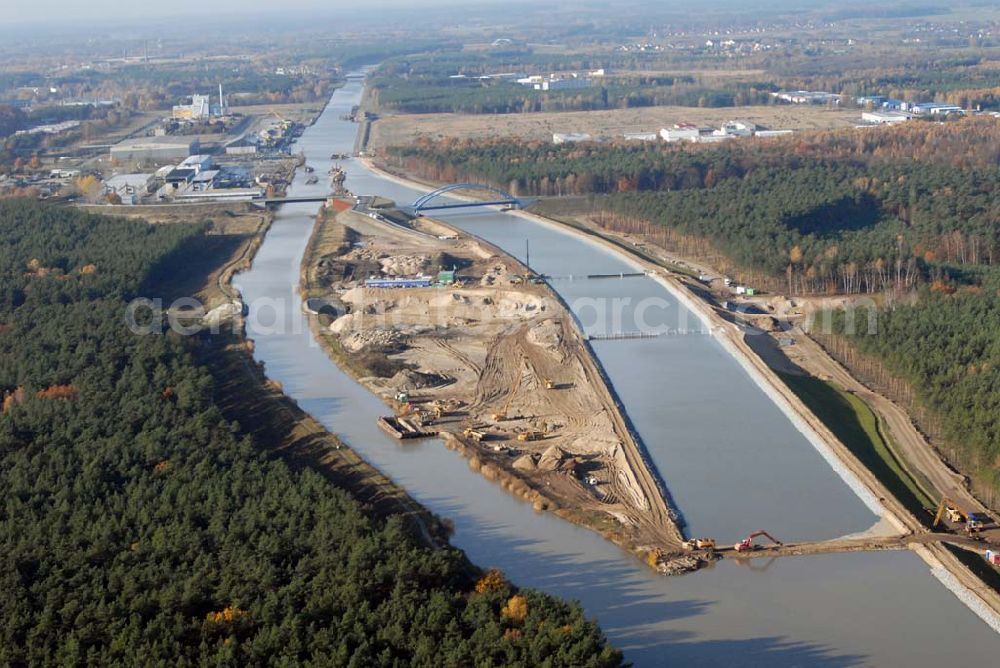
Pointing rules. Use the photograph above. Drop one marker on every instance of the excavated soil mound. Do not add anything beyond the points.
(416, 380)
(546, 334)
(404, 265)
(525, 463)
(552, 459)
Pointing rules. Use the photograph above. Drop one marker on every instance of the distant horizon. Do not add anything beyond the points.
(65, 17)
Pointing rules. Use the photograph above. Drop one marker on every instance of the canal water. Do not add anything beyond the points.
(732, 461)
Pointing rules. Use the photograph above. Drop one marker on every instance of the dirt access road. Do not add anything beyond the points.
(912, 446)
(501, 356)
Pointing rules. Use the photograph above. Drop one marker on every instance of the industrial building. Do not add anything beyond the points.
(204, 180)
(935, 109)
(241, 146)
(680, 132)
(197, 170)
(556, 82)
(131, 188)
(641, 136)
(198, 163)
(570, 137)
(179, 177)
(764, 134)
(415, 282)
(885, 117)
(213, 195)
(735, 129)
(199, 109)
(807, 97)
(714, 138)
(568, 83)
(874, 101)
(155, 149)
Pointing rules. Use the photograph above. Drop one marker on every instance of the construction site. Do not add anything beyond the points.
(464, 343)
(475, 349)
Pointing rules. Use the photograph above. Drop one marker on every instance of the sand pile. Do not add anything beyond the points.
(520, 306)
(415, 380)
(404, 265)
(495, 275)
(381, 338)
(525, 463)
(553, 459)
(547, 334)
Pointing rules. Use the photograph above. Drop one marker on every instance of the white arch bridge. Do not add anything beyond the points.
(426, 202)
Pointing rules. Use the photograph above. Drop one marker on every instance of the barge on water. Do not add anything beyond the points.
(403, 428)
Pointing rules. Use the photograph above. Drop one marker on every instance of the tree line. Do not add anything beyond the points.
(139, 526)
(474, 96)
(829, 212)
(946, 347)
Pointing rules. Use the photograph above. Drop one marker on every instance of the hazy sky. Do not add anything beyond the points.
(115, 11)
(148, 13)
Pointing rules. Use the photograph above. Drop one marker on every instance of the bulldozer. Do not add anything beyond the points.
(533, 435)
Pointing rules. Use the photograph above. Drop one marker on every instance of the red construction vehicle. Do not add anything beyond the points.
(747, 544)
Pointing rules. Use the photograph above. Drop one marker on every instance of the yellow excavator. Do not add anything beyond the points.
(974, 522)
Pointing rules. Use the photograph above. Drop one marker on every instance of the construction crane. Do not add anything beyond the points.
(973, 521)
(747, 544)
(550, 384)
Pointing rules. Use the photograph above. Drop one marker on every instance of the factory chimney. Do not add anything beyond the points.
(222, 102)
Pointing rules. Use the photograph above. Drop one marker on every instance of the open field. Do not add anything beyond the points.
(485, 352)
(406, 128)
(304, 112)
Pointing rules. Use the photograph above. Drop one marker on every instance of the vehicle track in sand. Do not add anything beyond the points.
(501, 373)
(452, 350)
